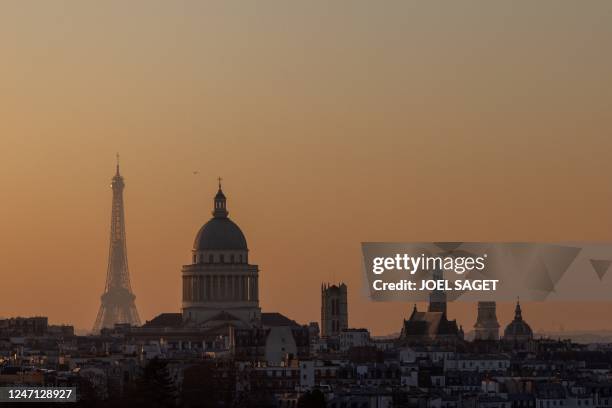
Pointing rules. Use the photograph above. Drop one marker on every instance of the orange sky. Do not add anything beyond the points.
(332, 123)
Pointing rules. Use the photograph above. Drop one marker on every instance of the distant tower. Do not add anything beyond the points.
(437, 298)
(334, 309)
(118, 300)
(486, 327)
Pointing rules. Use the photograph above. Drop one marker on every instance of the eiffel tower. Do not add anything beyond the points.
(118, 300)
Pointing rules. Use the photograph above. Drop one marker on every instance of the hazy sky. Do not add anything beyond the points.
(332, 123)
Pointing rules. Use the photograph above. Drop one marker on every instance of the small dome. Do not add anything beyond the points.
(220, 233)
(518, 328)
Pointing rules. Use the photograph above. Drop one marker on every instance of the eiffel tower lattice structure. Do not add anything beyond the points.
(117, 304)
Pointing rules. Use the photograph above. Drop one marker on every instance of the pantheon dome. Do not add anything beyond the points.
(220, 240)
(220, 286)
(220, 233)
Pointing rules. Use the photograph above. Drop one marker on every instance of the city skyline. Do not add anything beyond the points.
(330, 125)
(468, 308)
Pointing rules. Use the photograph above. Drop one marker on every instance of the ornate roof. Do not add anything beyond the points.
(165, 320)
(220, 232)
(429, 325)
(518, 327)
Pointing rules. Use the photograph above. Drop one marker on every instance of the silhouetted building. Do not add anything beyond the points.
(334, 309)
(432, 325)
(24, 326)
(220, 286)
(37, 326)
(518, 331)
(350, 338)
(424, 327)
(486, 327)
(279, 339)
(220, 308)
(168, 320)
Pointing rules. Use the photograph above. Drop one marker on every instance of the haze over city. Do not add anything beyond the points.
(330, 126)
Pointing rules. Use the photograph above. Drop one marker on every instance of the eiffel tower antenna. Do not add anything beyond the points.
(117, 302)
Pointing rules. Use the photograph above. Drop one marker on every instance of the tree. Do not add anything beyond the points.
(156, 388)
(312, 399)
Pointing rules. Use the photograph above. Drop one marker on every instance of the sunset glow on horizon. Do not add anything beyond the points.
(330, 125)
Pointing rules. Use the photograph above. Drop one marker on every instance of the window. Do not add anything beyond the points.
(210, 259)
(221, 258)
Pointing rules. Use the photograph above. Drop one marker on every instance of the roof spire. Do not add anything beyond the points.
(117, 163)
(414, 311)
(220, 209)
(518, 314)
